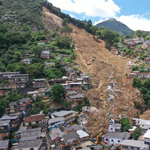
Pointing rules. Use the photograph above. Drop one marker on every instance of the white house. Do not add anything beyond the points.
(115, 138)
(26, 61)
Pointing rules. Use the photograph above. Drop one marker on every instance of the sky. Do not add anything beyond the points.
(134, 13)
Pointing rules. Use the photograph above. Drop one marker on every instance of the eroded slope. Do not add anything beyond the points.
(106, 71)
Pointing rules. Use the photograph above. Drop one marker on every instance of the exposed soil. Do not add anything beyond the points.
(104, 69)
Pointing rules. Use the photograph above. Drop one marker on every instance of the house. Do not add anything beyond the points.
(75, 99)
(43, 92)
(73, 75)
(132, 130)
(146, 44)
(66, 87)
(55, 122)
(115, 138)
(75, 86)
(56, 134)
(98, 147)
(67, 129)
(45, 54)
(132, 75)
(144, 75)
(57, 81)
(83, 135)
(114, 128)
(15, 120)
(77, 127)
(17, 79)
(29, 144)
(70, 93)
(4, 128)
(21, 130)
(147, 59)
(13, 108)
(4, 145)
(133, 144)
(34, 120)
(147, 137)
(144, 124)
(26, 61)
(68, 70)
(25, 105)
(70, 138)
(32, 134)
(39, 83)
(69, 116)
(48, 65)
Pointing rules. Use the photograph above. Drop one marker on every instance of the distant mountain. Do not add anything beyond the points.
(117, 26)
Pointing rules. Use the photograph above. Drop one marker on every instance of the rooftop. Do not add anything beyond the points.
(134, 143)
(53, 120)
(82, 134)
(118, 135)
(62, 113)
(38, 117)
(8, 117)
(4, 122)
(29, 144)
(77, 127)
(77, 96)
(4, 144)
(24, 100)
(70, 135)
(147, 134)
(55, 132)
(21, 129)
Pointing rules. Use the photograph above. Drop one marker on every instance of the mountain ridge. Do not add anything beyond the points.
(117, 26)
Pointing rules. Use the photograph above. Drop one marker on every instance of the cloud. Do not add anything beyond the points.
(96, 22)
(90, 8)
(71, 15)
(135, 22)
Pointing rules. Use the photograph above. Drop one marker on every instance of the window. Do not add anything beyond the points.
(111, 128)
(132, 147)
(112, 140)
(106, 139)
(119, 141)
(31, 148)
(125, 147)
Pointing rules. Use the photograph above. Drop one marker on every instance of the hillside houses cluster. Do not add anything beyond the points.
(136, 45)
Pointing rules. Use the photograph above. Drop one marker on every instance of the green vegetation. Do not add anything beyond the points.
(141, 33)
(117, 26)
(125, 124)
(13, 96)
(81, 104)
(137, 133)
(23, 12)
(144, 87)
(58, 93)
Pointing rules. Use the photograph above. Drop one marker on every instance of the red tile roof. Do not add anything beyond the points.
(34, 118)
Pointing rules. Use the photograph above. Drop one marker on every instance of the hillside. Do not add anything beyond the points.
(117, 26)
(104, 69)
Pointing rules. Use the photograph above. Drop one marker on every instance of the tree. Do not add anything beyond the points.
(58, 92)
(136, 82)
(137, 133)
(65, 22)
(135, 68)
(125, 124)
(140, 33)
(66, 29)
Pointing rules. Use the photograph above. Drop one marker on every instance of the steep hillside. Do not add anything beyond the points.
(104, 69)
(117, 26)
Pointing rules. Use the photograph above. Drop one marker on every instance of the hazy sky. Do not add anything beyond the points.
(134, 13)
